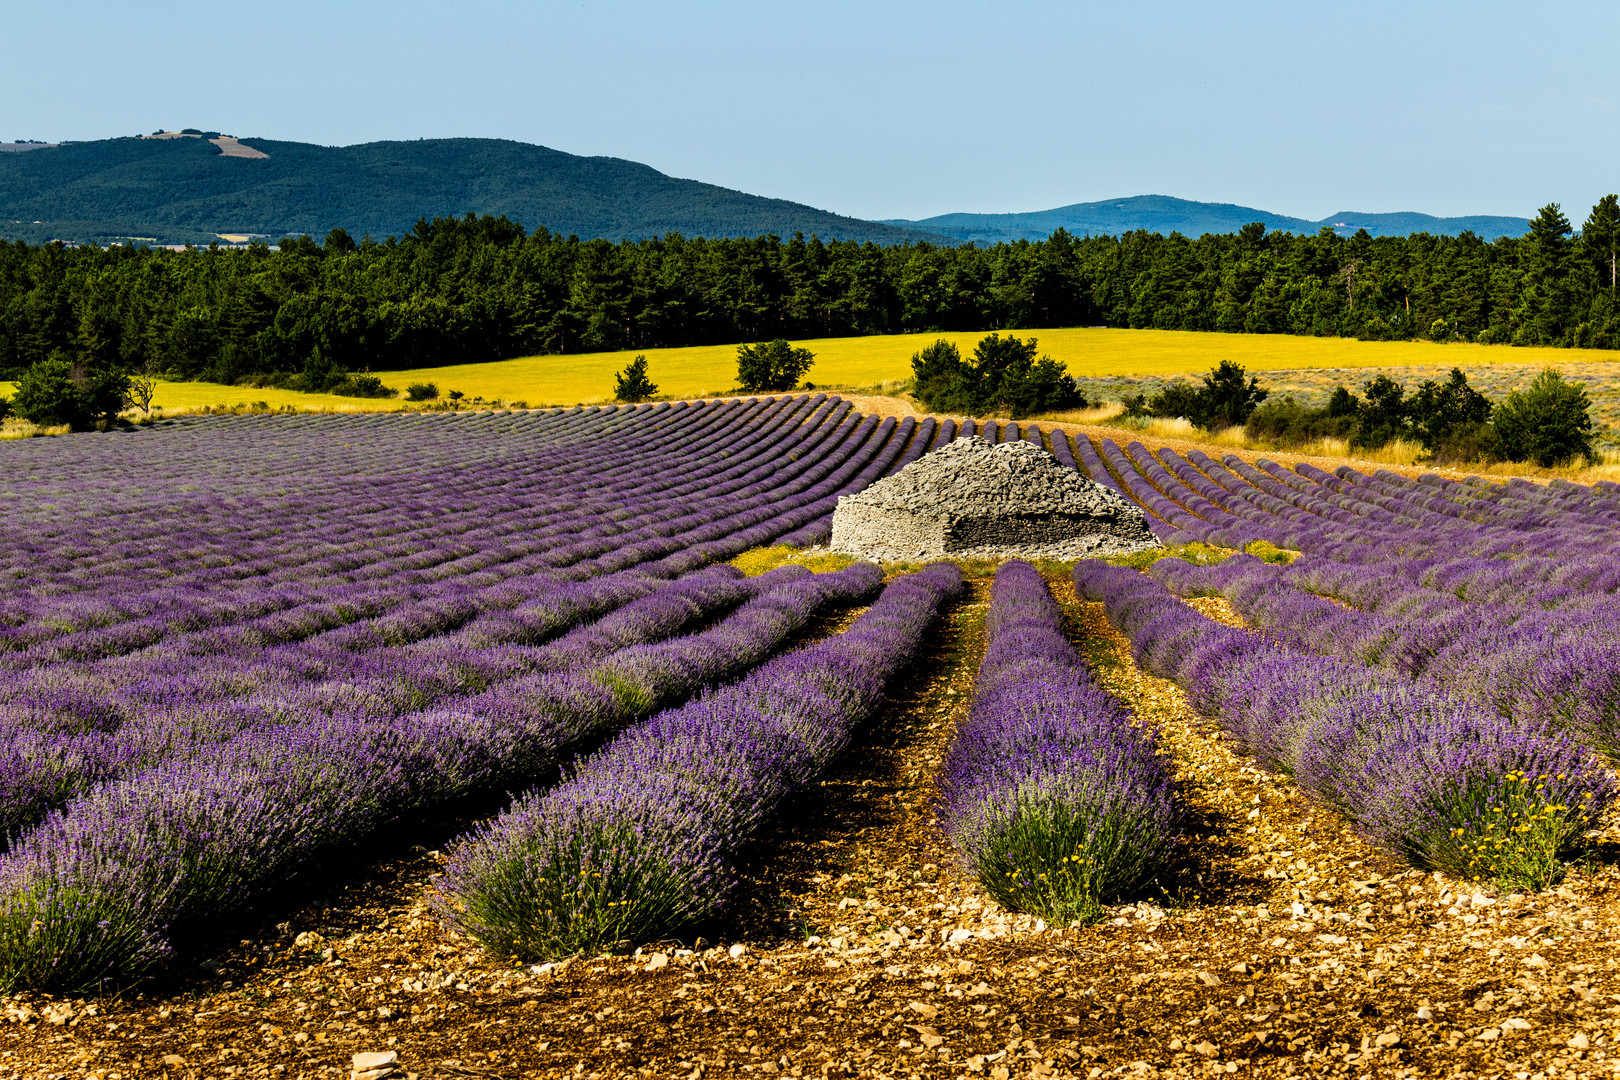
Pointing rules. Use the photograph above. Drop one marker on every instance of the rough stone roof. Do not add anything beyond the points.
(971, 476)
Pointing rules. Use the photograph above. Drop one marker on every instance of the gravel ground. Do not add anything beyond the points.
(1280, 944)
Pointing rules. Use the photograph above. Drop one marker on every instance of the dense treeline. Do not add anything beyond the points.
(472, 289)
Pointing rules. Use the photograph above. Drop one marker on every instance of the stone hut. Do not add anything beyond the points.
(977, 499)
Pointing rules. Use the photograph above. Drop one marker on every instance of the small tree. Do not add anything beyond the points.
(1548, 422)
(1228, 397)
(141, 390)
(421, 391)
(632, 384)
(943, 383)
(772, 367)
(1004, 378)
(1442, 411)
(1384, 413)
(58, 391)
(46, 393)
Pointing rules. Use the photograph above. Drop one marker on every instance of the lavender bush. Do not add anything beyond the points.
(641, 842)
(1055, 798)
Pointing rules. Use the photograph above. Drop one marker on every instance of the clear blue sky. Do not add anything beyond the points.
(888, 109)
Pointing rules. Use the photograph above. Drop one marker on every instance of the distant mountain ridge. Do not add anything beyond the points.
(198, 187)
(172, 189)
(1166, 214)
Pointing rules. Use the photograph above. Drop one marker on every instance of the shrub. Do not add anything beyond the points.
(1448, 413)
(1228, 397)
(58, 391)
(1056, 800)
(420, 391)
(772, 367)
(1384, 414)
(361, 385)
(1004, 378)
(1286, 422)
(1547, 423)
(632, 384)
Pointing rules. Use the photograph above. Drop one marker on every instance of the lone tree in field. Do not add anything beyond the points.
(631, 384)
(1547, 423)
(773, 366)
(1003, 378)
(1228, 397)
(141, 389)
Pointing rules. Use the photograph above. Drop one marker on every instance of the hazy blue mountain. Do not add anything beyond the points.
(185, 190)
(1164, 214)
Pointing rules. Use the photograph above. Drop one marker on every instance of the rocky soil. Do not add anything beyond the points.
(1280, 945)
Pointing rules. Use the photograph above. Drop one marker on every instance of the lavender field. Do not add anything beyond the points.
(233, 645)
(237, 650)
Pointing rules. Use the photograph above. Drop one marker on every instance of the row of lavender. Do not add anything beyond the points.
(1502, 595)
(1432, 777)
(107, 887)
(1557, 660)
(643, 840)
(1055, 797)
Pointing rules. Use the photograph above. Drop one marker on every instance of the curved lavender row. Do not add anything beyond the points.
(763, 508)
(1168, 521)
(1056, 800)
(1061, 449)
(889, 440)
(1433, 779)
(642, 840)
(105, 888)
(1093, 466)
(42, 766)
(301, 524)
(559, 527)
(1560, 666)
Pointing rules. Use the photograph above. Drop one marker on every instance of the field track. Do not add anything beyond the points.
(456, 591)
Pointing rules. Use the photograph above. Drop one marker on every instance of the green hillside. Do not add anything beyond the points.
(184, 190)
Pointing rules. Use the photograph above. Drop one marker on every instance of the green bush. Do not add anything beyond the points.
(421, 391)
(632, 383)
(1227, 398)
(772, 367)
(1548, 423)
(360, 385)
(59, 391)
(1285, 422)
(1444, 414)
(1003, 378)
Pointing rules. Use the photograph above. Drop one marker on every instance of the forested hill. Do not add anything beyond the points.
(1163, 214)
(185, 190)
